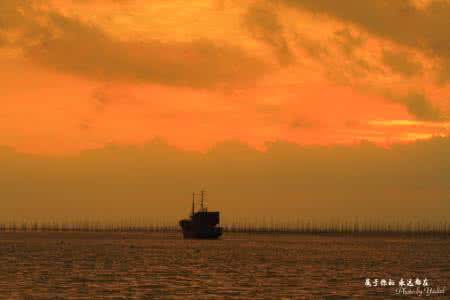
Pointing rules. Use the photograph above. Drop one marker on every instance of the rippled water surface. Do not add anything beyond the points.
(239, 266)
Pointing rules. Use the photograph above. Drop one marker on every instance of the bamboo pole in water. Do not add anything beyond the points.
(420, 227)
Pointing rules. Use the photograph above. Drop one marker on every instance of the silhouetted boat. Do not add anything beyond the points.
(202, 224)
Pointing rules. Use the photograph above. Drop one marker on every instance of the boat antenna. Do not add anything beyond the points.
(193, 203)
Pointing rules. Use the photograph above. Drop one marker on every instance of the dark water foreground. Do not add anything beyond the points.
(52, 265)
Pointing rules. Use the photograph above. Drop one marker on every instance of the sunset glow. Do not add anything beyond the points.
(113, 108)
(224, 149)
(78, 75)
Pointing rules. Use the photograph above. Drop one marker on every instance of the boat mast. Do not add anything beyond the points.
(193, 203)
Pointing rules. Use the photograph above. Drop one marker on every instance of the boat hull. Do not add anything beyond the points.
(193, 230)
(213, 233)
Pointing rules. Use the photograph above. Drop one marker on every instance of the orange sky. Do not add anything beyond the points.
(78, 75)
(113, 109)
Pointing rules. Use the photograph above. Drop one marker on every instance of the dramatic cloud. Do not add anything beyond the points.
(400, 62)
(290, 80)
(286, 182)
(204, 72)
(348, 42)
(68, 45)
(264, 25)
(421, 108)
(10, 15)
(314, 49)
(422, 27)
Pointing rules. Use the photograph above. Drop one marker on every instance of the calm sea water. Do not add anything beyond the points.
(239, 266)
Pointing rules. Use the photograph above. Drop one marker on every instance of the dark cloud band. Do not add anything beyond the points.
(68, 45)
